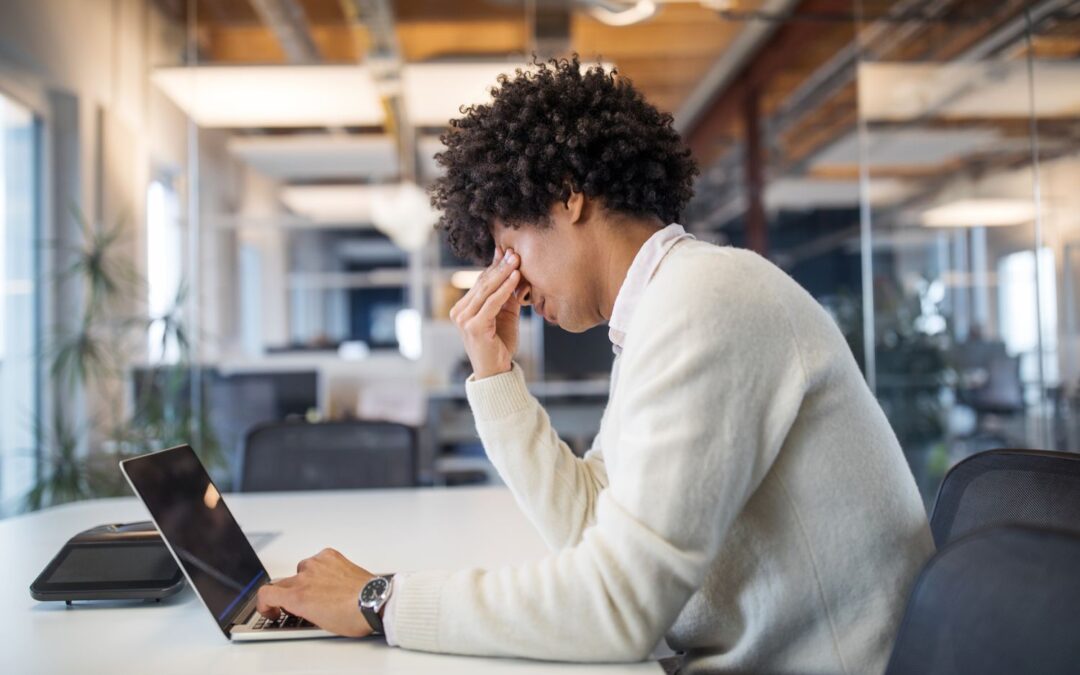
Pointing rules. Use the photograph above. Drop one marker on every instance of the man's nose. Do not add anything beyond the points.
(524, 293)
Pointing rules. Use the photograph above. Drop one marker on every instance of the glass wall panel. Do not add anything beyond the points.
(967, 117)
(18, 301)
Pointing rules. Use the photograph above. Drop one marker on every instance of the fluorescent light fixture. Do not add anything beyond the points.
(464, 279)
(980, 213)
(331, 203)
(327, 95)
(274, 96)
(402, 211)
(804, 193)
(908, 147)
(965, 90)
(435, 92)
(325, 157)
(311, 157)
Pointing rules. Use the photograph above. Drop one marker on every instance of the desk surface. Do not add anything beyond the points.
(423, 528)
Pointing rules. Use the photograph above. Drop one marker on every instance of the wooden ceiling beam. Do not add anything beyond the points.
(257, 44)
(422, 40)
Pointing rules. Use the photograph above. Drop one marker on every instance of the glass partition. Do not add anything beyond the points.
(19, 307)
(969, 163)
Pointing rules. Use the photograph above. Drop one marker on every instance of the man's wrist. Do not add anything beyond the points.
(389, 609)
(483, 374)
(373, 606)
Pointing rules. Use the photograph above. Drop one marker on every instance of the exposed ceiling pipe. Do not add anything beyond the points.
(828, 78)
(289, 24)
(841, 70)
(548, 27)
(729, 65)
(384, 60)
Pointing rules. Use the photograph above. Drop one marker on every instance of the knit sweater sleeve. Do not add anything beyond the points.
(709, 387)
(555, 489)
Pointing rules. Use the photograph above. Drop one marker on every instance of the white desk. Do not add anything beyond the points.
(422, 529)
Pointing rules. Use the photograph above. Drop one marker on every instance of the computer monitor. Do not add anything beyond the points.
(234, 402)
(577, 356)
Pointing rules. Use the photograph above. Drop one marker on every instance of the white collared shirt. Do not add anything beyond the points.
(637, 277)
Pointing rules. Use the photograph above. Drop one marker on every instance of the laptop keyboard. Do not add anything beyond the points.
(284, 620)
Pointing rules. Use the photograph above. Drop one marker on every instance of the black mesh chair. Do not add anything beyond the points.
(328, 456)
(1030, 487)
(1003, 600)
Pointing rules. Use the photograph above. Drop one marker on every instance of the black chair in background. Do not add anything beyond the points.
(1029, 487)
(1002, 600)
(328, 456)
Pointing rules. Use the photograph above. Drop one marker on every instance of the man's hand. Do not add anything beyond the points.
(325, 591)
(487, 317)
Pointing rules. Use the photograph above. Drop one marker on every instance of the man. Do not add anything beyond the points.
(745, 497)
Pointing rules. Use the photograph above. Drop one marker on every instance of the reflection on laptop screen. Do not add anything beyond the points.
(198, 526)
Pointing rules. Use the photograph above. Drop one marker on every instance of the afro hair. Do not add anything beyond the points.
(550, 130)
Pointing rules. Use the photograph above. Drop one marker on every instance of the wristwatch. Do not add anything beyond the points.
(373, 597)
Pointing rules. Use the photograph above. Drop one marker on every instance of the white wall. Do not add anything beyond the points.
(84, 66)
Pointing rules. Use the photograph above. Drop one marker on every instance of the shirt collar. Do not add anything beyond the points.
(637, 278)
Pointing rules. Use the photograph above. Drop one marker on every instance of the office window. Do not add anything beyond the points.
(1020, 322)
(19, 305)
(164, 262)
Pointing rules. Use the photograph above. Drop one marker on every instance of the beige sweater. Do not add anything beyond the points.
(745, 497)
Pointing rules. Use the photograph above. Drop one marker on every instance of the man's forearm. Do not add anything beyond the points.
(556, 489)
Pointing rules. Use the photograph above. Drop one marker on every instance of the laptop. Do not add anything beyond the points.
(201, 534)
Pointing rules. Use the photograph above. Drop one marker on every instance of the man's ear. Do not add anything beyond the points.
(575, 207)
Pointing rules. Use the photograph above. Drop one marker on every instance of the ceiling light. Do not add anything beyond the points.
(967, 90)
(331, 203)
(980, 213)
(435, 92)
(312, 157)
(274, 96)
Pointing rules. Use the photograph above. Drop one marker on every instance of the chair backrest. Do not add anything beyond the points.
(1030, 487)
(1003, 390)
(328, 456)
(1005, 599)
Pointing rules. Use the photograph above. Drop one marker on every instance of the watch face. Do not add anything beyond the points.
(373, 591)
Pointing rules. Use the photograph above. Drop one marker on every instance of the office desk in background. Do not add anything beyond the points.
(418, 529)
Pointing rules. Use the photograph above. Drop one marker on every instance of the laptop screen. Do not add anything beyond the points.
(199, 528)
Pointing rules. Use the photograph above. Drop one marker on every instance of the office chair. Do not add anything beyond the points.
(1030, 487)
(1001, 600)
(328, 456)
(991, 386)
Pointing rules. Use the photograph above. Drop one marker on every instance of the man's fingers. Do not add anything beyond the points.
(496, 300)
(481, 288)
(489, 282)
(271, 599)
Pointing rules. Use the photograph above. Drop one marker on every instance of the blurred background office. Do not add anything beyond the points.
(213, 224)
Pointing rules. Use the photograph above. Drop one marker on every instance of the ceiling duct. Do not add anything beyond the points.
(549, 27)
(287, 20)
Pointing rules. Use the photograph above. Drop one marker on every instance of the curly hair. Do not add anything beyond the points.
(550, 130)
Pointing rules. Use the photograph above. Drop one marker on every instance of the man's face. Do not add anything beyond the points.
(555, 270)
